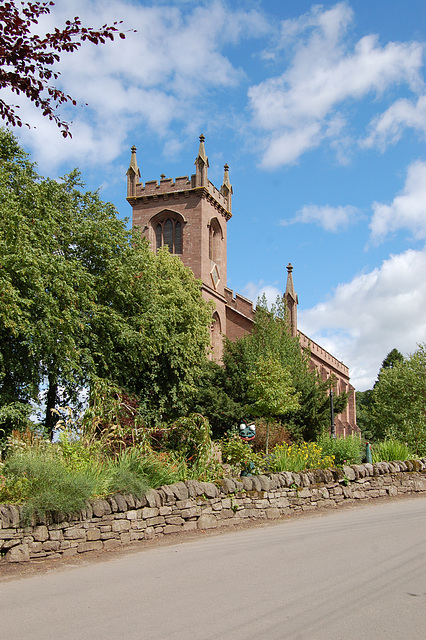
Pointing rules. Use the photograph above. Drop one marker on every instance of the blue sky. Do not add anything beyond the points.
(320, 112)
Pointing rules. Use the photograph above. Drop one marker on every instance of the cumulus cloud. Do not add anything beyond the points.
(157, 77)
(298, 107)
(255, 290)
(389, 126)
(332, 219)
(406, 211)
(374, 313)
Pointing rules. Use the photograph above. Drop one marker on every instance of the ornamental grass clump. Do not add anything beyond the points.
(389, 450)
(41, 481)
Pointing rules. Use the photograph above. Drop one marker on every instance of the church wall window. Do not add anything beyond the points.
(168, 232)
(215, 241)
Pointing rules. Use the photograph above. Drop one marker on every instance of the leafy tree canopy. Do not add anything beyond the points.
(81, 296)
(27, 59)
(398, 407)
(270, 340)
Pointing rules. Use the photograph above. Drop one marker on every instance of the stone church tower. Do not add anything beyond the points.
(190, 216)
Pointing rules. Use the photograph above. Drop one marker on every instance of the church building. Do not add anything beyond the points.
(190, 216)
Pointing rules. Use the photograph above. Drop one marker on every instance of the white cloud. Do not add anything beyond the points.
(162, 75)
(406, 211)
(298, 107)
(255, 290)
(332, 219)
(374, 313)
(389, 126)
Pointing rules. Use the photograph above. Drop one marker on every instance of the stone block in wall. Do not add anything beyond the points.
(132, 515)
(185, 504)
(171, 528)
(282, 502)
(305, 493)
(19, 553)
(247, 483)
(153, 522)
(125, 537)
(100, 508)
(419, 485)
(272, 513)
(51, 545)
(165, 511)
(177, 520)
(189, 526)
(41, 533)
(207, 521)
(95, 545)
(349, 472)
(35, 547)
(131, 504)
(191, 512)
(180, 490)
(153, 498)
(120, 525)
(209, 489)
(304, 480)
(93, 534)
(137, 534)
(265, 483)
(228, 485)
(108, 535)
(56, 534)
(169, 496)
(74, 533)
(358, 494)
(7, 534)
(120, 502)
(150, 512)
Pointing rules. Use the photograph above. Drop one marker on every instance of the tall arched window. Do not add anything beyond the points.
(168, 232)
(215, 240)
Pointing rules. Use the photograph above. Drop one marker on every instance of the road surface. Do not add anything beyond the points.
(349, 574)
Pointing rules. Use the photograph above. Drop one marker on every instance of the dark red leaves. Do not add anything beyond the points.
(26, 58)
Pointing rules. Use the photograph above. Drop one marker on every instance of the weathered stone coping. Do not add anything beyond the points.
(184, 506)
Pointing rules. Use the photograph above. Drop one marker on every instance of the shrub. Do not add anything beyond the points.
(345, 450)
(307, 455)
(277, 435)
(389, 450)
(240, 455)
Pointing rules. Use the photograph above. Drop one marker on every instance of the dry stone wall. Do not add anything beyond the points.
(185, 506)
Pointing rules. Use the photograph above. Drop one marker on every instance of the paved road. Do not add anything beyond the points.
(357, 573)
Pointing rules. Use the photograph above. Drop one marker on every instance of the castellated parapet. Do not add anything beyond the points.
(168, 188)
(322, 356)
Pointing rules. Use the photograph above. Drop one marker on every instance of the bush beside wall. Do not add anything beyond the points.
(185, 506)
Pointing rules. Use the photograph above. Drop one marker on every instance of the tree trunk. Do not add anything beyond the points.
(51, 398)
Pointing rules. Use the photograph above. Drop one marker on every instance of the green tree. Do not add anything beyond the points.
(82, 296)
(399, 402)
(270, 387)
(271, 338)
(365, 399)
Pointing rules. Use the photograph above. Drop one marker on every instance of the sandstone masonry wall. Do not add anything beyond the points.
(185, 506)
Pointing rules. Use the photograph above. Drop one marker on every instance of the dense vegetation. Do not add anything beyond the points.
(105, 380)
(396, 407)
